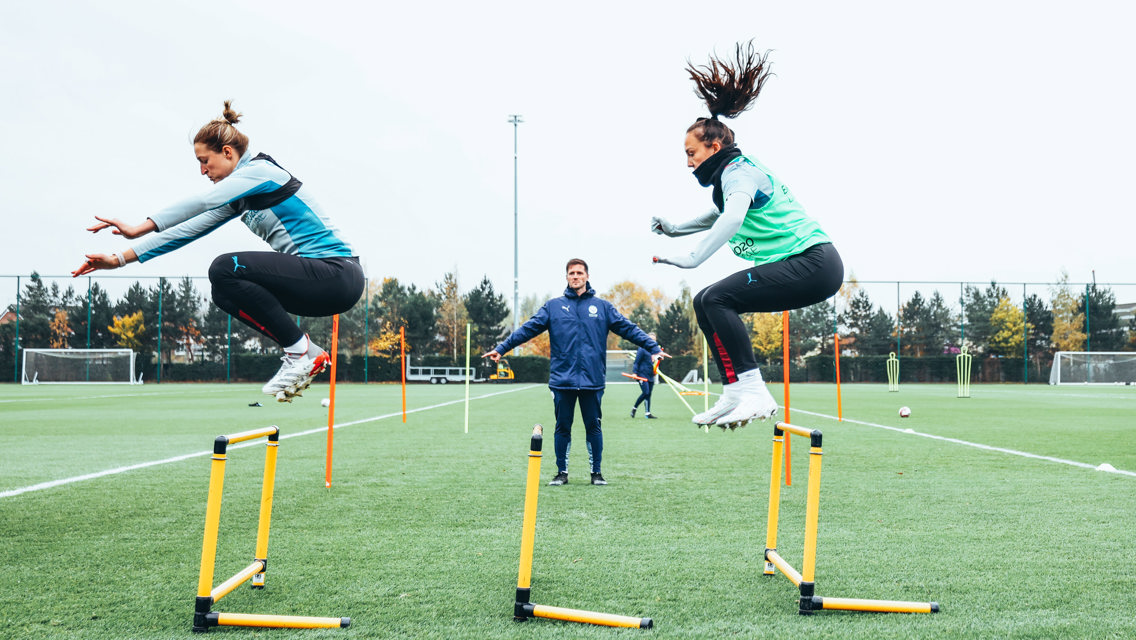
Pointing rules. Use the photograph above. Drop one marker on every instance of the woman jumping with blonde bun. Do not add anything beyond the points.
(311, 271)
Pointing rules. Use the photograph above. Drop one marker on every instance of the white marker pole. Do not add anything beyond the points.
(467, 377)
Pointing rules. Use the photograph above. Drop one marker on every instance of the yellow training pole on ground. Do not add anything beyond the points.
(207, 595)
(804, 580)
(523, 609)
(402, 354)
(468, 374)
(331, 397)
(279, 622)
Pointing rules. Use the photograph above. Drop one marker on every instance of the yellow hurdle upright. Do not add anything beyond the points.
(207, 594)
(523, 609)
(805, 578)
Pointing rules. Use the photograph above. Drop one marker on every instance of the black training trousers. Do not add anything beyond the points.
(260, 288)
(807, 278)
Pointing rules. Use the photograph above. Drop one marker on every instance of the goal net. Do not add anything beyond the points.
(79, 366)
(1093, 367)
(619, 362)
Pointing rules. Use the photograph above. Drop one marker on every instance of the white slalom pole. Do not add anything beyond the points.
(467, 377)
(705, 376)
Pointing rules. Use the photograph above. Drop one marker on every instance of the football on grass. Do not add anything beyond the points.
(904, 412)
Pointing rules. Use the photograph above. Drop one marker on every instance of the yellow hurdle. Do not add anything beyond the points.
(523, 609)
(207, 594)
(804, 580)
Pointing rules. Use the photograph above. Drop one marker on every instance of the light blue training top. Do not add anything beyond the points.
(297, 226)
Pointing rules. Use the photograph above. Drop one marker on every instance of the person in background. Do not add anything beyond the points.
(577, 324)
(644, 368)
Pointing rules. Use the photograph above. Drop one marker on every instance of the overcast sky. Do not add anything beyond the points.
(961, 141)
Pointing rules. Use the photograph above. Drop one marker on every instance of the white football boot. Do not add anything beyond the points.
(296, 373)
(726, 403)
(754, 402)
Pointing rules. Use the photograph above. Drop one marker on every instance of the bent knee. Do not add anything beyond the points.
(222, 266)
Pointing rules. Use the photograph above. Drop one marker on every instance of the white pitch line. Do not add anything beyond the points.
(976, 445)
(143, 465)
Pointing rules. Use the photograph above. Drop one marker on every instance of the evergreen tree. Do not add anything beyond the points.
(978, 306)
(674, 333)
(487, 311)
(1104, 330)
(1040, 320)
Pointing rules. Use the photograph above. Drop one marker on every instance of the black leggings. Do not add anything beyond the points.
(260, 288)
(645, 388)
(807, 278)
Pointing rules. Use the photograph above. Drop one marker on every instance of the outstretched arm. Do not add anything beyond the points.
(737, 205)
(533, 327)
(703, 222)
(97, 261)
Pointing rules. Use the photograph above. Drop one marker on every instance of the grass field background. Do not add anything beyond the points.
(419, 536)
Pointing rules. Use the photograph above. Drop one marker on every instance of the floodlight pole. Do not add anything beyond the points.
(515, 119)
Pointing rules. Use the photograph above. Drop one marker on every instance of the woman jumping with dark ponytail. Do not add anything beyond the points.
(795, 264)
(311, 271)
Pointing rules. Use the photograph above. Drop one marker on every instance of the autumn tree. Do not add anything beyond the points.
(1007, 329)
(452, 316)
(765, 334)
(128, 331)
(1068, 322)
(60, 330)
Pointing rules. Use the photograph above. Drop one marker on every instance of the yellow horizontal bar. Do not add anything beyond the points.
(801, 431)
(232, 583)
(285, 622)
(590, 617)
(886, 606)
(251, 435)
(785, 568)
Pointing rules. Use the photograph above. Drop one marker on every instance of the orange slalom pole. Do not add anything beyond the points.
(402, 354)
(331, 397)
(785, 372)
(839, 410)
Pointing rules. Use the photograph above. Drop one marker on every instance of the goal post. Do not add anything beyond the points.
(1093, 367)
(79, 366)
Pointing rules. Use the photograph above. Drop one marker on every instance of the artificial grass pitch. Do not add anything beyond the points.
(990, 506)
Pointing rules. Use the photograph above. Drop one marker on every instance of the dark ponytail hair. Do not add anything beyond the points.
(220, 132)
(728, 87)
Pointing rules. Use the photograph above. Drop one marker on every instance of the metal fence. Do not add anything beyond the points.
(223, 342)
